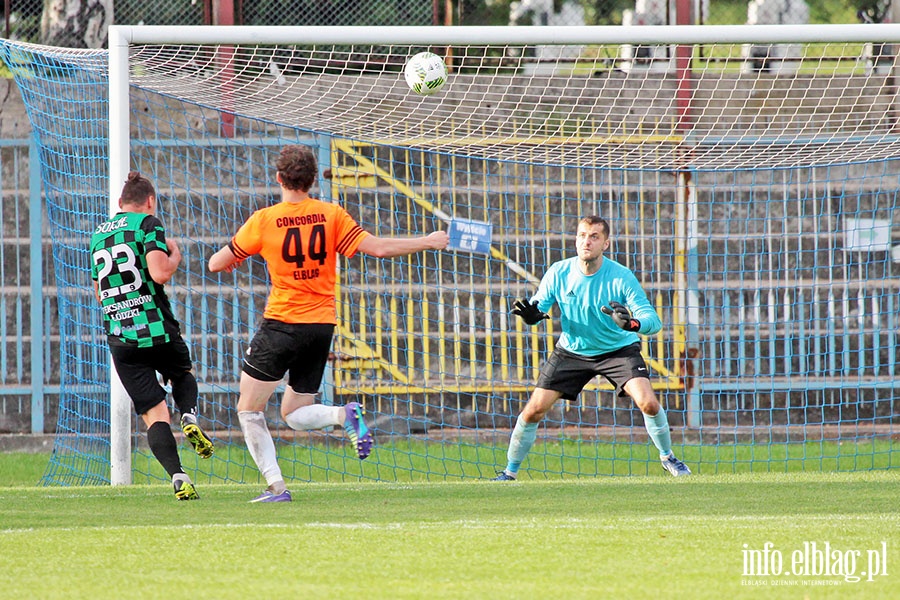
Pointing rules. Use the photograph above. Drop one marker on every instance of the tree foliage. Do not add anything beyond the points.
(76, 23)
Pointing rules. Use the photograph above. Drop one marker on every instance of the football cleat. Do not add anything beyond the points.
(184, 489)
(504, 476)
(203, 446)
(675, 466)
(270, 496)
(357, 431)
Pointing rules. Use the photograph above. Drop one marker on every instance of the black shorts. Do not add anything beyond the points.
(568, 373)
(299, 349)
(138, 367)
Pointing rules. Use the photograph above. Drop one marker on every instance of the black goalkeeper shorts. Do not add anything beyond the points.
(568, 373)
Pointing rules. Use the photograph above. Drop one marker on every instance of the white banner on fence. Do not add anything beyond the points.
(867, 235)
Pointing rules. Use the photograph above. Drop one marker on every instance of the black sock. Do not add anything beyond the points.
(164, 447)
(184, 392)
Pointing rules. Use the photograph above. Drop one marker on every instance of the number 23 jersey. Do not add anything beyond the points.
(300, 242)
(136, 310)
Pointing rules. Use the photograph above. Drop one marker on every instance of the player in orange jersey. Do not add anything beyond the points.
(300, 238)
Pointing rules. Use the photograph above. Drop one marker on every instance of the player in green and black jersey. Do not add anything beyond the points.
(132, 260)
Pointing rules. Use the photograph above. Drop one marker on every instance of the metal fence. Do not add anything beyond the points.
(27, 332)
(25, 296)
(805, 327)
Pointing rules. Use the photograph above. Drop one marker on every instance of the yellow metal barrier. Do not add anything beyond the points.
(444, 348)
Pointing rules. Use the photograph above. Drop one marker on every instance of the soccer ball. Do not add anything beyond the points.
(425, 73)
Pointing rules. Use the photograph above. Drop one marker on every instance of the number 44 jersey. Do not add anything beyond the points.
(136, 310)
(300, 242)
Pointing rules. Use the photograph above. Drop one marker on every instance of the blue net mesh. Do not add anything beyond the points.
(778, 350)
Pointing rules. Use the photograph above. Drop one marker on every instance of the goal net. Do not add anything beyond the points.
(753, 191)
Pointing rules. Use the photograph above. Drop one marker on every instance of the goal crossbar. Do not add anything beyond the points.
(528, 35)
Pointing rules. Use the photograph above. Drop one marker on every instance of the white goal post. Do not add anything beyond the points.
(123, 38)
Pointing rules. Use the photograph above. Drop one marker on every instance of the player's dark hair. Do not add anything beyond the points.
(137, 189)
(595, 220)
(298, 167)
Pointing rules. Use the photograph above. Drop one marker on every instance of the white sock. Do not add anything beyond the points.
(314, 416)
(261, 446)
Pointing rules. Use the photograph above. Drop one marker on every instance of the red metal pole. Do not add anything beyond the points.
(223, 14)
(683, 73)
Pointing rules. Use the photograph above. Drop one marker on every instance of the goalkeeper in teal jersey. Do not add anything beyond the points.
(131, 261)
(602, 309)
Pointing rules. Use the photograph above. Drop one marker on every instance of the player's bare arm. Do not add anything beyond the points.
(380, 247)
(223, 260)
(161, 265)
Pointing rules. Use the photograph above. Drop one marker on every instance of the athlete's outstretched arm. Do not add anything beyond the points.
(383, 247)
(223, 260)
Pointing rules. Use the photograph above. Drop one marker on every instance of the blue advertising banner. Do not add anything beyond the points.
(470, 236)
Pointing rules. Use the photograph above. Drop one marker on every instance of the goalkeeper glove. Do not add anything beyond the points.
(529, 312)
(621, 316)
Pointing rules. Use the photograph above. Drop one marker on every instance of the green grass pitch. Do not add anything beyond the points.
(604, 537)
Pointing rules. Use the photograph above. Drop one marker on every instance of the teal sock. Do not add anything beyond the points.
(520, 443)
(658, 428)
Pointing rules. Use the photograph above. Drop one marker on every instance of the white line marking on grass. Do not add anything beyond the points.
(608, 522)
(667, 521)
(158, 527)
